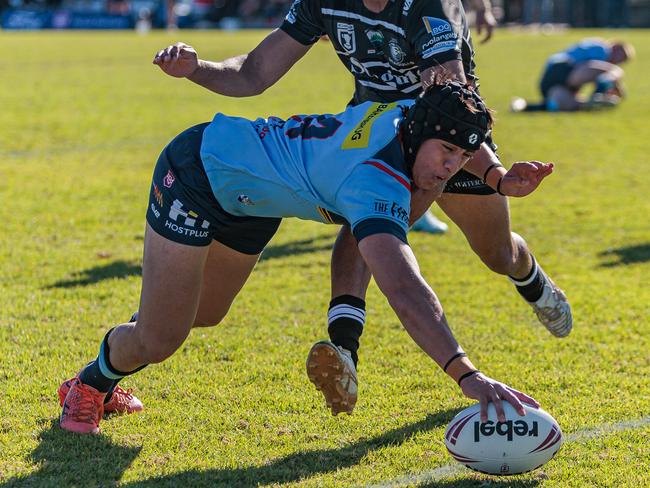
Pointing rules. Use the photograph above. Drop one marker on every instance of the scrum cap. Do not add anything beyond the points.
(450, 111)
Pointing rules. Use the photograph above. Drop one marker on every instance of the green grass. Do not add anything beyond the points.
(83, 118)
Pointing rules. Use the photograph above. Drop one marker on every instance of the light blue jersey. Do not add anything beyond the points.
(586, 50)
(343, 168)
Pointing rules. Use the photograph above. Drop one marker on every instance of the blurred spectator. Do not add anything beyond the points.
(485, 21)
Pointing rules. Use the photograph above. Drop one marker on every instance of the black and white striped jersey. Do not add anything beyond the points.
(386, 51)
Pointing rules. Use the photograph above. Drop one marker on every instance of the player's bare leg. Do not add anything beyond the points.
(172, 276)
(507, 253)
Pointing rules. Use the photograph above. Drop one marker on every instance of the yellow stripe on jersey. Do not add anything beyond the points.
(325, 214)
(359, 136)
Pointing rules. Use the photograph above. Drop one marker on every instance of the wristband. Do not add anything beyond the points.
(487, 171)
(499, 187)
(451, 359)
(467, 375)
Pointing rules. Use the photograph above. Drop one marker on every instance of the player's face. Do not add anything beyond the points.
(436, 162)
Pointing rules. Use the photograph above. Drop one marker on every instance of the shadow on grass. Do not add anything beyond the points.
(483, 482)
(305, 246)
(75, 460)
(626, 255)
(299, 465)
(116, 269)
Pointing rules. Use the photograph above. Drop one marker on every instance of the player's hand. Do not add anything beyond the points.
(486, 390)
(485, 21)
(179, 60)
(523, 178)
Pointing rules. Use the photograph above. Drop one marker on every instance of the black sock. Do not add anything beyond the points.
(346, 317)
(530, 286)
(100, 373)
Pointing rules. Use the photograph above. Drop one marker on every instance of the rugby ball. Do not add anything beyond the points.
(518, 445)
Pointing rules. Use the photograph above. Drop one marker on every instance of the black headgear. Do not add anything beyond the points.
(450, 111)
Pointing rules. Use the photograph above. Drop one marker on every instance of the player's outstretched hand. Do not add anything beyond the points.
(486, 390)
(179, 60)
(523, 178)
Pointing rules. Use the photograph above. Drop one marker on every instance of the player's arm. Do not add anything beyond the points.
(241, 76)
(397, 274)
(484, 18)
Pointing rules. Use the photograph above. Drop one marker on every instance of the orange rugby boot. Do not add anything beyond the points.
(83, 408)
(122, 401)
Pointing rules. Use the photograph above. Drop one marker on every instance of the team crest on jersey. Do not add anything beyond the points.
(345, 36)
(396, 53)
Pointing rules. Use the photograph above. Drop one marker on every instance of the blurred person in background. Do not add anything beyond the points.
(591, 61)
(485, 20)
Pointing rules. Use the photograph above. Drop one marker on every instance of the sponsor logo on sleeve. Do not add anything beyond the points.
(360, 135)
(381, 206)
(443, 37)
(346, 37)
(397, 211)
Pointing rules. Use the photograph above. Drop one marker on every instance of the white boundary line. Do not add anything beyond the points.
(450, 470)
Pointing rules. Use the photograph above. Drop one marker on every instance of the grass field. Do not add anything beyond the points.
(83, 117)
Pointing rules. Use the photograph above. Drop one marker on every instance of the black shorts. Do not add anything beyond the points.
(555, 74)
(182, 207)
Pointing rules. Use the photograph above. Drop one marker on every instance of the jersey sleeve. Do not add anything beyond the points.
(303, 22)
(436, 32)
(375, 199)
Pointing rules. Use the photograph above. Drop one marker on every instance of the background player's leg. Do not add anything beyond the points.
(331, 366)
(562, 99)
(507, 253)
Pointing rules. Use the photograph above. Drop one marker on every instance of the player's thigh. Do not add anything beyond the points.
(226, 271)
(172, 274)
(485, 221)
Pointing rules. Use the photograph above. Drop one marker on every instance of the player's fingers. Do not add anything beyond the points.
(484, 408)
(509, 397)
(501, 414)
(524, 398)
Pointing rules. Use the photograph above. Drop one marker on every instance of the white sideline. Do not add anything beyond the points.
(449, 470)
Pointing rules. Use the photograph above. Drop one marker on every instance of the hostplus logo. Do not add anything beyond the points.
(187, 220)
(509, 429)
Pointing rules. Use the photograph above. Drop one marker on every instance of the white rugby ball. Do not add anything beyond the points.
(518, 445)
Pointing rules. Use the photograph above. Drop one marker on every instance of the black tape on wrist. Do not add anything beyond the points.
(467, 375)
(499, 187)
(451, 359)
(487, 171)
